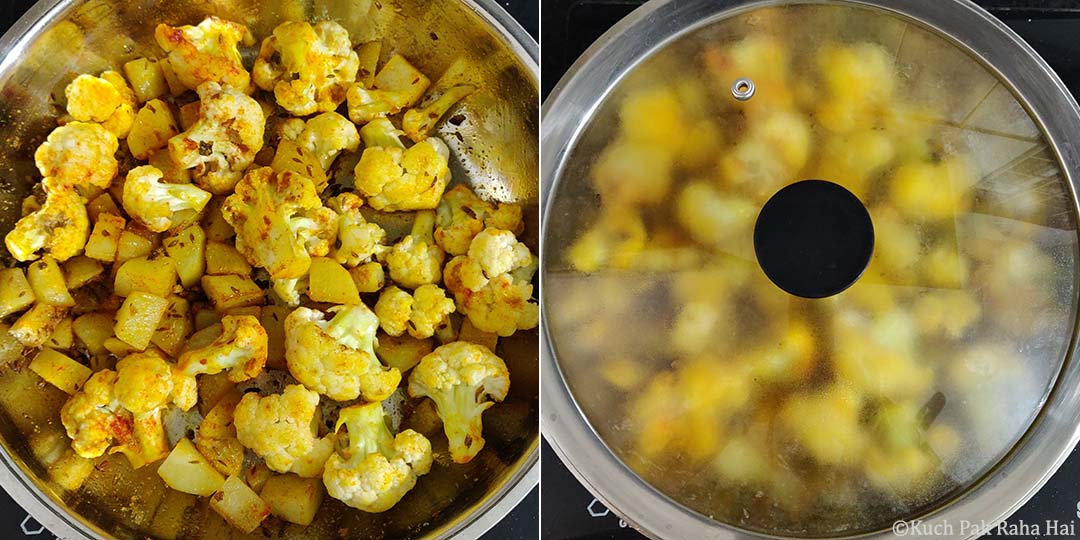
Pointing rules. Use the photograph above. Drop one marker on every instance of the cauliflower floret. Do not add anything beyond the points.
(617, 239)
(770, 155)
(416, 260)
(459, 377)
(717, 219)
(223, 141)
(280, 222)
(827, 424)
(394, 179)
(417, 123)
(120, 411)
(629, 173)
(491, 284)
(60, 228)
(152, 202)
(377, 469)
(106, 100)
(79, 155)
(421, 313)
(289, 290)
(462, 215)
(241, 348)
(336, 357)
(309, 69)
(358, 240)
(208, 52)
(279, 428)
(328, 135)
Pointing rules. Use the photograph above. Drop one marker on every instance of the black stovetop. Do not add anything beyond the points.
(520, 524)
(569, 27)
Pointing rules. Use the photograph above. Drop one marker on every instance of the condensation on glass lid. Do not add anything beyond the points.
(803, 417)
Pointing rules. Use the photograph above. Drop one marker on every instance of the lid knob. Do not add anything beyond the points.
(814, 238)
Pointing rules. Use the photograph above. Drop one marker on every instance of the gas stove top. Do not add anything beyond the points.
(520, 524)
(570, 26)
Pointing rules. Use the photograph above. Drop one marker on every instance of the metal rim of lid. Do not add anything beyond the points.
(573, 102)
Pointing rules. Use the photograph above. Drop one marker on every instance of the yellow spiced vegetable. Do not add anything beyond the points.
(78, 155)
(241, 349)
(153, 203)
(60, 228)
(393, 178)
(492, 284)
(358, 240)
(208, 52)
(106, 100)
(416, 260)
(308, 68)
(462, 215)
(460, 378)
(278, 427)
(420, 313)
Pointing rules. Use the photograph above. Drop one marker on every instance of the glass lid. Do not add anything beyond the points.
(931, 265)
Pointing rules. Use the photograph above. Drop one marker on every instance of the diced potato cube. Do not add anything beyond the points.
(257, 475)
(79, 271)
(60, 371)
(105, 239)
(473, 334)
(331, 282)
(251, 311)
(93, 329)
(146, 78)
(272, 319)
(154, 275)
(139, 318)
(368, 277)
(189, 114)
(102, 204)
(187, 250)
(217, 229)
(222, 259)
(153, 127)
(401, 77)
(15, 292)
(118, 347)
(173, 173)
(291, 157)
(169, 522)
(174, 328)
(48, 282)
(205, 317)
(63, 337)
(186, 470)
(175, 86)
(292, 498)
(34, 327)
(239, 505)
(212, 388)
(232, 291)
(10, 348)
(402, 352)
(133, 245)
(71, 470)
(368, 54)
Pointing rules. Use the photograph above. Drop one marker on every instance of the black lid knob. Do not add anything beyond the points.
(814, 238)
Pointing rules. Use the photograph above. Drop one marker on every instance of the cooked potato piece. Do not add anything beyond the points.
(93, 329)
(10, 348)
(205, 317)
(139, 318)
(292, 498)
(188, 471)
(217, 440)
(189, 114)
(102, 204)
(15, 292)
(60, 371)
(291, 157)
(217, 229)
(118, 347)
(80, 270)
(368, 277)
(133, 245)
(257, 475)
(368, 53)
(63, 336)
(71, 470)
(176, 87)
(223, 259)
(156, 275)
(212, 388)
(168, 522)
(402, 352)
(146, 79)
(34, 327)
(473, 334)
(232, 291)
(272, 319)
(331, 282)
(48, 282)
(239, 505)
(251, 311)
(174, 327)
(153, 127)
(105, 239)
(400, 76)
(187, 250)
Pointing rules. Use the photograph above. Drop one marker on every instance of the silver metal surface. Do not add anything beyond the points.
(742, 89)
(495, 151)
(576, 99)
